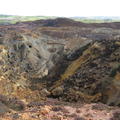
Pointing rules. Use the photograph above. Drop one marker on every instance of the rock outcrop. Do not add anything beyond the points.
(61, 59)
(94, 76)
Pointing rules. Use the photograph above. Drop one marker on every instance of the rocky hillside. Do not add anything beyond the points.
(59, 59)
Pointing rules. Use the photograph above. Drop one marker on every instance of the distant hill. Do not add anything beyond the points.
(12, 19)
(97, 19)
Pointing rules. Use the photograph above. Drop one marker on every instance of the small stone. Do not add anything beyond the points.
(15, 116)
(57, 91)
(45, 92)
(3, 108)
(45, 110)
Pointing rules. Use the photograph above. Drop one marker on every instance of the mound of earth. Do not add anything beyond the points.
(59, 59)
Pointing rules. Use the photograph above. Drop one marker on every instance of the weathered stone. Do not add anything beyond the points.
(3, 109)
(39, 57)
(57, 91)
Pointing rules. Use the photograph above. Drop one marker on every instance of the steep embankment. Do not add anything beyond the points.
(59, 58)
(94, 76)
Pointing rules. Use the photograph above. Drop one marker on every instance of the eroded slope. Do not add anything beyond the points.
(62, 59)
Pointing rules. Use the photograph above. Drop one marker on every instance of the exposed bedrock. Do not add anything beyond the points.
(72, 63)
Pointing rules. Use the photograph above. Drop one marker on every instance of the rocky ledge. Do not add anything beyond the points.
(61, 59)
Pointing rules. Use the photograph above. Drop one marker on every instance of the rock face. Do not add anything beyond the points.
(94, 76)
(61, 58)
(36, 56)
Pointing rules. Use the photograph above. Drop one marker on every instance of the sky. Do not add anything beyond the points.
(63, 8)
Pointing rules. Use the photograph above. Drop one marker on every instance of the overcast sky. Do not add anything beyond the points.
(65, 8)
